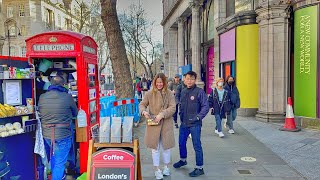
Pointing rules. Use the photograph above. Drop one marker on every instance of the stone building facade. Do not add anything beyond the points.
(253, 40)
(21, 19)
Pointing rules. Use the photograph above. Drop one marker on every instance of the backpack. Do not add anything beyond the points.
(144, 86)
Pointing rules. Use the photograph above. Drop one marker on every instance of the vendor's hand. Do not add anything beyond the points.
(157, 119)
(146, 114)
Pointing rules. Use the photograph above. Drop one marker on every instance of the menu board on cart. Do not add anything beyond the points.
(12, 92)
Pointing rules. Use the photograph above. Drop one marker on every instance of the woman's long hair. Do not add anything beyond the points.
(164, 80)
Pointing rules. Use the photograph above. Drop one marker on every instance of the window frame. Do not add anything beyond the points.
(22, 10)
(23, 51)
(10, 11)
(228, 7)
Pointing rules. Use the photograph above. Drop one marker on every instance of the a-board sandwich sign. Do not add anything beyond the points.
(113, 164)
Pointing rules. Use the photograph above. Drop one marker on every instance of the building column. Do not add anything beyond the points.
(273, 61)
(172, 66)
(195, 41)
(180, 42)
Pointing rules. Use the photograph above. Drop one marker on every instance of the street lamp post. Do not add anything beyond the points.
(19, 34)
(9, 49)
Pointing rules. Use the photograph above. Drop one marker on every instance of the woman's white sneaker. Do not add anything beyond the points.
(231, 131)
(216, 131)
(166, 171)
(221, 134)
(158, 174)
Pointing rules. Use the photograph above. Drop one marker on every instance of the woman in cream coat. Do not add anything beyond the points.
(160, 103)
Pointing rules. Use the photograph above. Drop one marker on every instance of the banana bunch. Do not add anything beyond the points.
(7, 111)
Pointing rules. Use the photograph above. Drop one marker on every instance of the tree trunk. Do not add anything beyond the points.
(118, 55)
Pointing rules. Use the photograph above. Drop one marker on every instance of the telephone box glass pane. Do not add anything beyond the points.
(93, 106)
(93, 118)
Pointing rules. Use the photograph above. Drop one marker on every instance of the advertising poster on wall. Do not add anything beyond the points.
(305, 61)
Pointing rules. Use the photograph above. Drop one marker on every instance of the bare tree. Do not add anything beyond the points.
(138, 35)
(119, 59)
(90, 23)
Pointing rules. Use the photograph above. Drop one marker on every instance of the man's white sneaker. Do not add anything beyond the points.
(166, 171)
(221, 134)
(158, 174)
(231, 131)
(216, 131)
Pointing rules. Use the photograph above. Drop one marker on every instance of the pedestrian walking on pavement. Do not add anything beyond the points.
(234, 100)
(159, 103)
(144, 86)
(219, 100)
(173, 87)
(193, 108)
(180, 87)
(138, 87)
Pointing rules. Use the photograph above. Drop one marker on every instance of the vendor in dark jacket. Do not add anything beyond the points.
(193, 108)
(57, 109)
(235, 102)
(219, 100)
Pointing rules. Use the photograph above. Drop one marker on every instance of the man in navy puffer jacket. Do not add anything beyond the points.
(193, 108)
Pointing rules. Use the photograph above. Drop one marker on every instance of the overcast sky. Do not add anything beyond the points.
(153, 9)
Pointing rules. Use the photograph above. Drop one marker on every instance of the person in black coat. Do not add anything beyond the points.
(235, 102)
(219, 100)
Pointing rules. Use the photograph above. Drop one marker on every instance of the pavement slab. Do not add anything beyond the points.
(222, 156)
(300, 150)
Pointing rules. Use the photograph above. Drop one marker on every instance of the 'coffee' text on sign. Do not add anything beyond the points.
(112, 157)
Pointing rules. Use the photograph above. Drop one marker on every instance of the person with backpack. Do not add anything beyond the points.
(144, 86)
(173, 87)
(138, 88)
(219, 100)
(235, 102)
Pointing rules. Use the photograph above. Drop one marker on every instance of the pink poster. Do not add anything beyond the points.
(210, 69)
(228, 46)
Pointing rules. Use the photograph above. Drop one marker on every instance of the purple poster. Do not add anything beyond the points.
(228, 46)
(210, 69)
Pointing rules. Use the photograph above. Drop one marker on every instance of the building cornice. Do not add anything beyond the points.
(166, 17)
(273, 12)
(241, 18)
(299, 4)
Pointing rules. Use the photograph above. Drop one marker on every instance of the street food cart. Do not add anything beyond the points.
(17, 124)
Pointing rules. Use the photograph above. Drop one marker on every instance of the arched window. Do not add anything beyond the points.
(11, 28)
(210, 24)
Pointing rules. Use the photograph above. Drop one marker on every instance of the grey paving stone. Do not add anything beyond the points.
(281, 171)
(299, 149)
(222, 155)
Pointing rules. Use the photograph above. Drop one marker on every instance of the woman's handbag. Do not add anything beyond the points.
(151, 122)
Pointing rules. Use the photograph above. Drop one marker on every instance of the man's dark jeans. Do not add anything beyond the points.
(196, 136)
(175, 115)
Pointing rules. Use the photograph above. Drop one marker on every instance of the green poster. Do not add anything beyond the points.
(305, 61)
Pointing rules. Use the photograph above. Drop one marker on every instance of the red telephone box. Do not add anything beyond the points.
(75, 57)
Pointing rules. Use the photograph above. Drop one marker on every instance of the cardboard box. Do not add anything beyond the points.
(57, 64)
